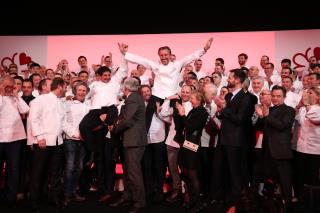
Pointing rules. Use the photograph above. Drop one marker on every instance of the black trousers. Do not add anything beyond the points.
(46, 163)
(280, 171)
(227, 173)
(153, 165)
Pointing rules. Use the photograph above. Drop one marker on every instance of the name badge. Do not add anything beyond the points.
(191, 146)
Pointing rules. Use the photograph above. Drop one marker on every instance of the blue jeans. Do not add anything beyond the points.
(74, 153)
(11, 151)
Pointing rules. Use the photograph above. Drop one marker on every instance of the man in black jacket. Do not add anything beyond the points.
(234, 111)
(277, 124)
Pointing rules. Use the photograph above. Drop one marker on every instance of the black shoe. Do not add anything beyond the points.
(174, 197)
(216, 202)
(58, 204)
(35, 208)
(105, 198)
(196, 209)
(120, 202)
(136, 209)
(158, 197)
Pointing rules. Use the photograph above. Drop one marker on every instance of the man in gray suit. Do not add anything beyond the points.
(132, 124)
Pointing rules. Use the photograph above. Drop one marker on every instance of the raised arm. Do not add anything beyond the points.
(196, 55)
(135, 58)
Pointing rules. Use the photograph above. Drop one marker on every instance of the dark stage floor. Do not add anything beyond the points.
(91, 205)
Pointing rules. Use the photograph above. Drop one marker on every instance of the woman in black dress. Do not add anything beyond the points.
(194, 123)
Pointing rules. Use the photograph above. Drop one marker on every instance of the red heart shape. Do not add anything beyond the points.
(316, 53)
(24, 59)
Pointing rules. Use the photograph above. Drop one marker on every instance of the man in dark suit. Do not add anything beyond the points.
(132, 123)
(234, 111)
(277, 124)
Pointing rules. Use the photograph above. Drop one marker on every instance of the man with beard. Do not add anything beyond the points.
(234, 111)
(46, 119)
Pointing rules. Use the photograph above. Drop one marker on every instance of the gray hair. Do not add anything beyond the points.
(131, 84)
(211, 88)
(260, 78)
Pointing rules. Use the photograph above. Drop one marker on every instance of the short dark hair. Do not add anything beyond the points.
(33, 75)
(220, 59)
(83, 71)
(244, 55)
(240, 74)
(194, 76)
(102, 70)
(27, 81)
(286, 60)
(245, 69)
(144, 86)
(34, 65)
(164, 48)
(316, 74)
(56, 82)
(314, 66)
(18, 77)
(277, 87)
(81, 56)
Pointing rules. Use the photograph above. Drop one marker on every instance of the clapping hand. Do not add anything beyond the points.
(180, 109)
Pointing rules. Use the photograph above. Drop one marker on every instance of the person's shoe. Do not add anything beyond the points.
(66, 201)
(174, 197)
(196, 209)
(158, 197)
(120, 202)
(79, 198)
(20, 197)
(135, 209)
(216, 202)
(105, 198)
(58, 204)
(35, 208)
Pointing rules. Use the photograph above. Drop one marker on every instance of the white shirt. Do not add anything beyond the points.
(292, 99)
(297, 85)
(235, 92)
(157, 131)
(309, 130)
(11, 126)
(145, 78)
(205, 137)
(167, 111)
(35, 93)
(106, 94)
(167, 77)
(46, 117)
(200, 74)
(75, 111)
(276, 80)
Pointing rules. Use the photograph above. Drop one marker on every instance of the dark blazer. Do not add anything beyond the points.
(132, 121)
(194, 123)
(277, 131)
(234, 117)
